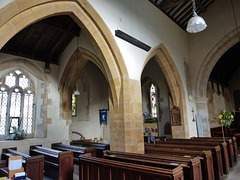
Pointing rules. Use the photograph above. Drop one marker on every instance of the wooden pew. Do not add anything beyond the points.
(205, 157)
(100, 147)
(191, 166)
(3, 164)
(198, 145)
(231, 143)
(57, 164)
(33, 166)
(220, 155)
(91, 168)
(77, 150)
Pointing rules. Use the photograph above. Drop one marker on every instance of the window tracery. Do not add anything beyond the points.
(16, 103)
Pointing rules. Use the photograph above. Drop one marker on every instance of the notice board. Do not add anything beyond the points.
(150, 129)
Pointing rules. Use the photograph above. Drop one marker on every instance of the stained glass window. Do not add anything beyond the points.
(73, 104)
(153, 100)
(19, 106)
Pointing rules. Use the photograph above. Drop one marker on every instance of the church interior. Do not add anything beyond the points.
(107, 89)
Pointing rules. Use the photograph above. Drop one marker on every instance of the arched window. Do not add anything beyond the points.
(74, 104)
(153, 100)
(16, 103)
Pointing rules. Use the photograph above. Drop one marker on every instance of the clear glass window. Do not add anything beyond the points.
(16, 103)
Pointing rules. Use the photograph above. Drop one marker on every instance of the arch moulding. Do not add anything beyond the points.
(19, 14)
(204, 72)
(170, 71)
(210, 61)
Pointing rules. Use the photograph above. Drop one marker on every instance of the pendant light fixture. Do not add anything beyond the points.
(196, 23)
(76, 92)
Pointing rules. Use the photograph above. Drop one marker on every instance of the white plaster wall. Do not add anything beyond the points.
(143, 21)
(89, 125)
(4, 3)
(83, 41)
(220, 21)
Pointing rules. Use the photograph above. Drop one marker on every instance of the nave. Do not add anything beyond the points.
(198, 158)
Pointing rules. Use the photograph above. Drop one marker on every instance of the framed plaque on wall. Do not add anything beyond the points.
(176, 116)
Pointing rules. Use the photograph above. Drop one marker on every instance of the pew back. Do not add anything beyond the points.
(91, 168)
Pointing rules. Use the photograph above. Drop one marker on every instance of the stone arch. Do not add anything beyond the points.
(18, 15)
(204, 72)
(170, 71)
(72, 71)
(84, 15)
(25, 64)
(210, 61)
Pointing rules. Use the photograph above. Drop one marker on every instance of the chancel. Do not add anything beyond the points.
(99, 89)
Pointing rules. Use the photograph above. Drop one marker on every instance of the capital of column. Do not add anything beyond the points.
(201, 100)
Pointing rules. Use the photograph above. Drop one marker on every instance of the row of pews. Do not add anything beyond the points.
(217, 157)
(171, 159)
(56, 162)
(193, 159)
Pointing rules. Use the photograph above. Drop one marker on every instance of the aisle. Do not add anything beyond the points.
(234, 173)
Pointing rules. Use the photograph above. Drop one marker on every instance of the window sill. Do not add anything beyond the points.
(26, 139)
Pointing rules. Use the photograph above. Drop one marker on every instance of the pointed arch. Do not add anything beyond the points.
(72, 71)
(84, 15)
(24, 64)
(210, 61)
(170, 71)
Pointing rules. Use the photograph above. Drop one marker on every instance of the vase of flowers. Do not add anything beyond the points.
(18, 133)
(225, 118)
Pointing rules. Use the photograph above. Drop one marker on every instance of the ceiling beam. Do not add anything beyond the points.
(60, 27)
(168, 4)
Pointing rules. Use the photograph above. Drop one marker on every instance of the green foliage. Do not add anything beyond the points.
(225, 118)
(18, 133)
(148, 118)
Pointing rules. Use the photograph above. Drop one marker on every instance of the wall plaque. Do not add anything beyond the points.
(176, 116)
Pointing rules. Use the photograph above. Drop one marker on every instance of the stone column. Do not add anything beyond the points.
(127, 121)
(202, 110)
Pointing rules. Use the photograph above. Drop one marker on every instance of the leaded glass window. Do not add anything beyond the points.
(153, 100)
(16, 103)
(3, 110)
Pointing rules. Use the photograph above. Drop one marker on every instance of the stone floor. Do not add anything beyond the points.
(234, 173)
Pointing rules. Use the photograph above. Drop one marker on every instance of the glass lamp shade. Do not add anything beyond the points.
(196, 24)
(76, 93)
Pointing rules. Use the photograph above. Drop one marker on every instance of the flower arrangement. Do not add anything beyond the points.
(18, 133)
(225, 118)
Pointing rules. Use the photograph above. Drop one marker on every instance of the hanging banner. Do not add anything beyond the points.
(103, 116)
